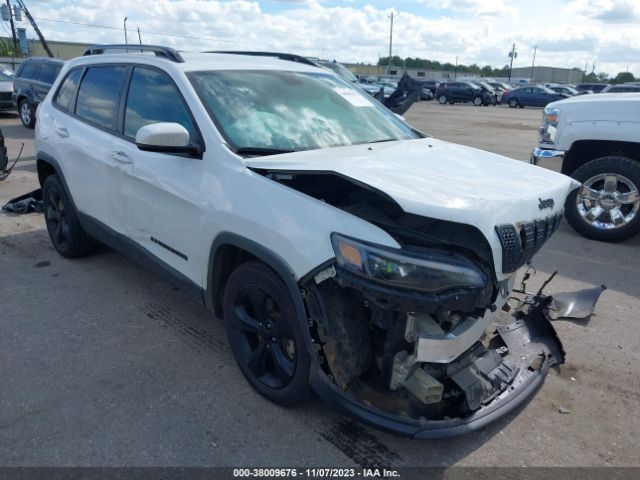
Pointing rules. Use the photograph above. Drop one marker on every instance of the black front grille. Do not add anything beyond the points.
(5, 96)
(520, 243)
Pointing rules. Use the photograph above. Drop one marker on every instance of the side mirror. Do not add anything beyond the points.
(165, 138)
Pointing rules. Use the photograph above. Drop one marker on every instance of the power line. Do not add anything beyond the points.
(143, 31)
(188, 37)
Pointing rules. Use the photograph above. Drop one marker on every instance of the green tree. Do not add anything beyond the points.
(622, 77)
(6, 48)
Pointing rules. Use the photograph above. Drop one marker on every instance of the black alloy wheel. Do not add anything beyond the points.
(67, 235)
(264, 334)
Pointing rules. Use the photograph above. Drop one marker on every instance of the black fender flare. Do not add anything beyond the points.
(42, 157)
(271, 259)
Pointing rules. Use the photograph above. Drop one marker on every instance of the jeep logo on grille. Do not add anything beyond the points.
(546, 203)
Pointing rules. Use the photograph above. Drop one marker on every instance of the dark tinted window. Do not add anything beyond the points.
(153, 98)
(67, 90)
(99, 94)
(48, 72)
(29, 70)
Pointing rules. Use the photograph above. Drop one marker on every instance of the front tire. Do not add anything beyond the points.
(442, 99)
(513, 103)
(67, 235)
(27, 113)
(477, 101)
(607, 206)
(265, 335)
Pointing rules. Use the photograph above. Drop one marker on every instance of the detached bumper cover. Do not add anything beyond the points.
(533, 347)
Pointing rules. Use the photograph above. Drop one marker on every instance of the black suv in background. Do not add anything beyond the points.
(625, 88)
(591, 87)
(453, 92)
(31, 83)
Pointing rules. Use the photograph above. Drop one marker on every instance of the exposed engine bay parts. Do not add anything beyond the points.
(427, 372)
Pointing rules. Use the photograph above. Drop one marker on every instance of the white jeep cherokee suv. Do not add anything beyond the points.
(346, 251)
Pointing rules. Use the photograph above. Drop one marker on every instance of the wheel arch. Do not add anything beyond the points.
(46, 165)
(583, 151)
(228, 251)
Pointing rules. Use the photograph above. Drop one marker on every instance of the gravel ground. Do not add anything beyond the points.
(102, 363)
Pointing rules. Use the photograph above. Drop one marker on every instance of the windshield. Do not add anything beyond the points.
(341, 70)
(275, 111)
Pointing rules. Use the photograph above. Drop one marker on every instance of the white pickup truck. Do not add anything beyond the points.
(596, 140)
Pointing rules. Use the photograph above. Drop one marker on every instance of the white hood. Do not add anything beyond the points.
(440, 180)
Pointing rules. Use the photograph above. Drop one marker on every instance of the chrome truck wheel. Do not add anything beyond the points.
(606, 206)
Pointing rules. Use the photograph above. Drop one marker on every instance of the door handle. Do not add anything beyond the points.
(62, 132)
(120, 157)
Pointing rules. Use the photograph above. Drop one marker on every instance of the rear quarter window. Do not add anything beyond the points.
(28, 71)
(67, 91)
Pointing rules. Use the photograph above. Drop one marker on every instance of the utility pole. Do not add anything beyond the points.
(33, 23)
(125, 31)
(13, 36)
(390, 37)
(512, 54)
(455, 70)
(139, 37)
(533, 64)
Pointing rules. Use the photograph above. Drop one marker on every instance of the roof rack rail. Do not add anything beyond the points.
(164, 52)
(282, 56)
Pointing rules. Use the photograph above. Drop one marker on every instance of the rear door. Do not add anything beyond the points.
(454, 91)
(26, 77)
(84, 124)
(161, 192)
(525, 96)
(47, 74)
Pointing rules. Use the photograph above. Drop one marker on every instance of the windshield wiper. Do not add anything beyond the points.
(261, 151)
(377, 141)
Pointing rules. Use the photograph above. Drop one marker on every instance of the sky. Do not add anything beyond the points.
(568, 33)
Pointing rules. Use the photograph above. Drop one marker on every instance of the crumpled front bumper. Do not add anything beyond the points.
(532, 347)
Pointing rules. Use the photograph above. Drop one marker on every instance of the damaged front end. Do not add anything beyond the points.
(417, 339)
(424, 362)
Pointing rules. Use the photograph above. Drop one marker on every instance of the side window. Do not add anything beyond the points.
(29, 71)
(153, 98)
(48, 72)
(99, 95)
(66, 93)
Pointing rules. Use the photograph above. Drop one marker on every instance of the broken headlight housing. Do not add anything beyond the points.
(430, 271)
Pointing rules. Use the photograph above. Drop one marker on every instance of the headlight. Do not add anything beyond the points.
(550, 116)
(549, 126)
(430, 271)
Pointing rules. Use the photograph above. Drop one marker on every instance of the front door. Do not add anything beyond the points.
(161, 192)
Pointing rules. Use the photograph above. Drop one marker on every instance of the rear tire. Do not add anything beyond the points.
(618, 220)
(265, 335)
(66, 234)
(27, 113)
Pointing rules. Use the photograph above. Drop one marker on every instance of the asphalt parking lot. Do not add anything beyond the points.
(102, 363)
